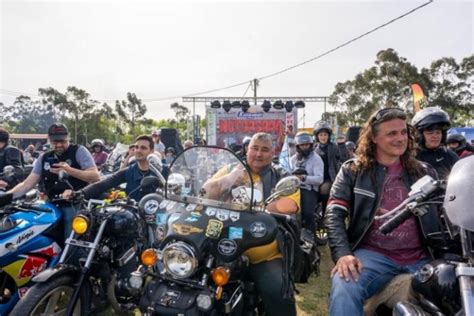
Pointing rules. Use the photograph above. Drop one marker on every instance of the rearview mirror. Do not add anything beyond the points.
(149, 182)
(285, 187)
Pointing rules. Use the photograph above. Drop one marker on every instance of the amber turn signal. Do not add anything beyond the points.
(220, 276)
(149, 257)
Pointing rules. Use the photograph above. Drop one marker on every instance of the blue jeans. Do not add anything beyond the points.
(347, 298)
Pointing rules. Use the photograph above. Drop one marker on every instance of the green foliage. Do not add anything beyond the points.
(388, 83)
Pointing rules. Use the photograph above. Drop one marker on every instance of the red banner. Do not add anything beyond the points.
(251, 126)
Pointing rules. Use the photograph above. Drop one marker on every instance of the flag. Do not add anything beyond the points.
(419, 98)
(284, 158)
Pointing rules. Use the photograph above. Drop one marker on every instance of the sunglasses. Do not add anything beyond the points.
(382, 112)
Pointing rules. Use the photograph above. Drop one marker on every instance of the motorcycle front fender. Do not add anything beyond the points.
(56, 271)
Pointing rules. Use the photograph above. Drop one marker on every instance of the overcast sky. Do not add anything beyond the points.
(164, 49)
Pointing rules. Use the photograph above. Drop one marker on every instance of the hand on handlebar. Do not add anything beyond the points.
(348, 266)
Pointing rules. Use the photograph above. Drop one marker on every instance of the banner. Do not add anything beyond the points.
(419, 98)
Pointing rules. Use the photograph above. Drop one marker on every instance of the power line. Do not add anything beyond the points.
(345, 43)
(266, 76)
(248, 87)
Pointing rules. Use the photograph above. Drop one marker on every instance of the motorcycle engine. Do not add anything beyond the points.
(437, 283)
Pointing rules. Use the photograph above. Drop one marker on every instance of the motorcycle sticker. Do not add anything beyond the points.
(236, 232)
(210, 211)
(196, 214)
(192, 219)
(223, 215)
(258, 229)
(191, 207)
(171, 205)
(227, 247)
(214, 228)
(184, 229)
(164, 203)
(234, 216)
(161, 218)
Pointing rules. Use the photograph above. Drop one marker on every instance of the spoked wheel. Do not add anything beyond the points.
(51, 298)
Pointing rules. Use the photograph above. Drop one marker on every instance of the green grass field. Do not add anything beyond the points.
(313, 297)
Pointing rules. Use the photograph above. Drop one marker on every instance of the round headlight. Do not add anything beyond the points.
(179, 260)
(151, 206)
(80, 224)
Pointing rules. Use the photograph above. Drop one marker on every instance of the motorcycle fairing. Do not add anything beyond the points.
(257, 229)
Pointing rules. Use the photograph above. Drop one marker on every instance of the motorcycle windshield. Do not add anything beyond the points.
(211, 176)
(459, 197)
(119, 150)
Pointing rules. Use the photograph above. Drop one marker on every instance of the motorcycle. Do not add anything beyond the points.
(100, 253)
(30, 241)
(114, 159)
(444, 286)
(200, 265)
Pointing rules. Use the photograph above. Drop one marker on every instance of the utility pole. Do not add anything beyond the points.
(255, 84)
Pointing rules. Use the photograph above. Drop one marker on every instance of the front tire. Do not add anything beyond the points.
(51, 298)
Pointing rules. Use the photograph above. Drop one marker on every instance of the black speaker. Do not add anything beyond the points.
(353, 134)
(170, 138)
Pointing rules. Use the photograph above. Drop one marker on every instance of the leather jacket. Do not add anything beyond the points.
(356, 196)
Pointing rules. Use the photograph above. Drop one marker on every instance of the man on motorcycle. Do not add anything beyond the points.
(266, 261)
(9, 156)
(132, 175)
(461, 147)
(76, 160)
(376, 181)
(432, 124)
(309, 168)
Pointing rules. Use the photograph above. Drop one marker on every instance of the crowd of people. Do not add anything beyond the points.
(352, 182)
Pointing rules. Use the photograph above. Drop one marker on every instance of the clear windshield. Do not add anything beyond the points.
(211, 176)
(459, 197)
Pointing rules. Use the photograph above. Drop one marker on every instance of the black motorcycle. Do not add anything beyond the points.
(444, 286)
(201, 263)
(100, 253)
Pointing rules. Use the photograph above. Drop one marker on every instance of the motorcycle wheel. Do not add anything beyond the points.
(51, 298)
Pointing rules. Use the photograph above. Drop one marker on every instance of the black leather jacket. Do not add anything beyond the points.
(356, 196)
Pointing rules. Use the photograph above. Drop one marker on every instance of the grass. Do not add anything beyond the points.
(313, 297)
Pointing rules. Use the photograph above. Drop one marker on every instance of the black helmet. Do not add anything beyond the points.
(350, 145)
(322, 126)
(430, 117)
(4, 135)
(303, 138)
(457, 138)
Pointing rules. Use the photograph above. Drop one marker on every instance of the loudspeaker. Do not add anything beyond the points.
(352, 134)
(170, 138)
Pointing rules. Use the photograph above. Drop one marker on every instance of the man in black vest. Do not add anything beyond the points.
(9, 156)
(76, 160)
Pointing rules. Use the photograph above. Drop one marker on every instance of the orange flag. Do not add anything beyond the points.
(418, 97)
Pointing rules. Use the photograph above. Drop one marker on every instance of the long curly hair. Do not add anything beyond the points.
(366, 149)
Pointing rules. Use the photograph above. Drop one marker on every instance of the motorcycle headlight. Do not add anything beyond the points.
(80, 224)
(151, 206)
(179, 260)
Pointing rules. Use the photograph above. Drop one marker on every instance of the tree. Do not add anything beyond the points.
(181, 112)
(131, 110)
(452, 87)
(388, 84)
(28, 116)
(75, 105)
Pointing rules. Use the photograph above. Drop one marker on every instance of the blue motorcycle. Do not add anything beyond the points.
(31, 239)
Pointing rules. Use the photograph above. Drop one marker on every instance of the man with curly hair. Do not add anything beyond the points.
(373, 183)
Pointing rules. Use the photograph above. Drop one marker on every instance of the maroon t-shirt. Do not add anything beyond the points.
(403, 244)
